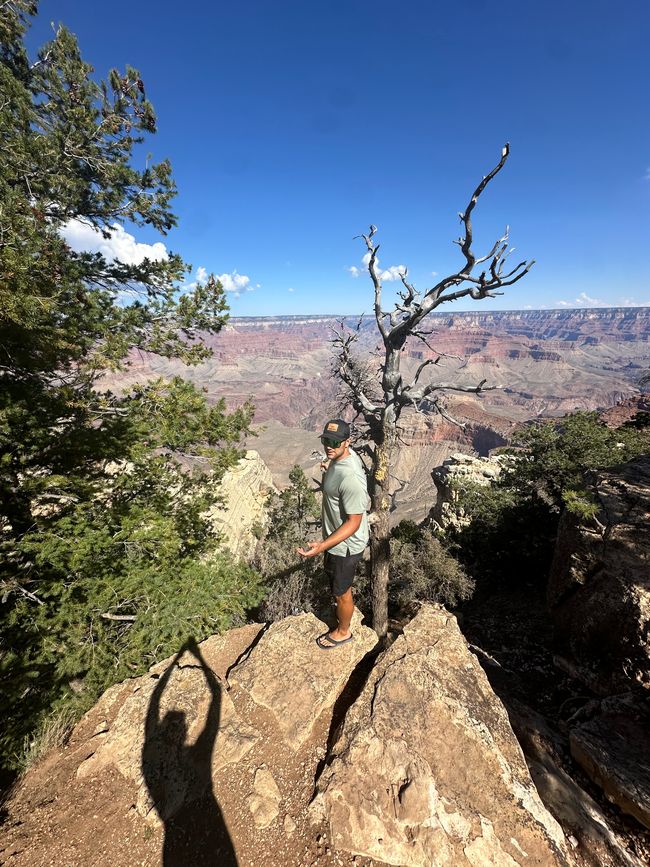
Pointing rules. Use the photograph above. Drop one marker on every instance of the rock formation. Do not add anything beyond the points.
(611, 748)
(217, 751)
(599, 586)
(540, 363)
(458, 470)
(599, 595)
(426, 769)
(245, 489)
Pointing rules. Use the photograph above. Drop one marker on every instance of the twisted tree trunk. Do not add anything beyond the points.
(381, 407)
(380, 527)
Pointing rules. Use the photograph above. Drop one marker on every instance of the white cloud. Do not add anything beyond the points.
(201, 274)
(121, 245)
(393, 273)
(291, 289)
(584, 300)
(632, 302)
(236, 283)
(592, 302)
(434, 273)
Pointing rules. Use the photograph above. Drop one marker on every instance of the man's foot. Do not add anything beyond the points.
(326, 642)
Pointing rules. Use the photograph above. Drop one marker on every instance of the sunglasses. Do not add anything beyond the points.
(330, 443)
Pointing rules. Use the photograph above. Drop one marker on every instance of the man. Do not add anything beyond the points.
(345, 525)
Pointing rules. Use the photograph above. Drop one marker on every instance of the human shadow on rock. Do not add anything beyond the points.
(179, 778)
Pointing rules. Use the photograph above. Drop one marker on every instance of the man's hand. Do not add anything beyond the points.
(312, 549)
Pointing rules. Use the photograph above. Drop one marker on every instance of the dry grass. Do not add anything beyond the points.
(53, 732)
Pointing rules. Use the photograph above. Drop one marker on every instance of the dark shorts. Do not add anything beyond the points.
(341, 571)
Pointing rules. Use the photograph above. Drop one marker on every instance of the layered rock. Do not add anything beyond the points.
(599, 586)
(154, 737)
(610, 748)
(581, 817)
(456, 472)
(245, 489)
(211, 758)
(599, 595)
(426, 769)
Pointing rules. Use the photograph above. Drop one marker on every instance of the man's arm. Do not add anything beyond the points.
(347, 528)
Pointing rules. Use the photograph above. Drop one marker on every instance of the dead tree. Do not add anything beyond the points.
(381, 403)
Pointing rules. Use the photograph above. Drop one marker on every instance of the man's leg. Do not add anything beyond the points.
(344, 612)
(341, 571)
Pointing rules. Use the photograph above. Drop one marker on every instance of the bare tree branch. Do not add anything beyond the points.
(126, 617)
(381, 407)
(372, 269)
(350, 372)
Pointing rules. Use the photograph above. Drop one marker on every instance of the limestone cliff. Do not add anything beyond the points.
(599, 595)
(599, 587)
(458, 470)
(245, 490)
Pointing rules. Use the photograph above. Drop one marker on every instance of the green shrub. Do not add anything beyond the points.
(421, 570)
(513, 523)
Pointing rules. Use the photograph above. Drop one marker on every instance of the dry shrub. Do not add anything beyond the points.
(422, 570)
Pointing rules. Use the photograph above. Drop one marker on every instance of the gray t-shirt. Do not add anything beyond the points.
(345, 492)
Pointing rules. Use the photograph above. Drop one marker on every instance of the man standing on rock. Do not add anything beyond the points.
(345, 525)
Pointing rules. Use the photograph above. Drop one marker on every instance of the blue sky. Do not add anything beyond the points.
(292, 125)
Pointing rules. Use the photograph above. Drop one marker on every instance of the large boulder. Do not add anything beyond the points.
(599, 586)
(580, 816)
(426, 769)
(174, 728)
(613, 747)
(291, 676)
(456, 472)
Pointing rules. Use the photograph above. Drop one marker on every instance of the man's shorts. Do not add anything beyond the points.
(341, 571)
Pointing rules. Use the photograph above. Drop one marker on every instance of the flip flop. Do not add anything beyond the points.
(334, 641)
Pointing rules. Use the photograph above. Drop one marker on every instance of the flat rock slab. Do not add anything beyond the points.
(614, 751)
(287, 673)
(174, 730)
(427, 770)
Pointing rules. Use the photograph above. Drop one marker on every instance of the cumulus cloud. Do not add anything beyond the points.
(291, 289)
(120, 245)
(394, 272)
(236, 283)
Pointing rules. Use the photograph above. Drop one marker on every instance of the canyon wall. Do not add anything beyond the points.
(537, 363)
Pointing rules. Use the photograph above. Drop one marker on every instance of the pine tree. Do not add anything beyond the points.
(107, 557)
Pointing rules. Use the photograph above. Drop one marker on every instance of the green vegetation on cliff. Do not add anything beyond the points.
(107, 558)
(514, 521)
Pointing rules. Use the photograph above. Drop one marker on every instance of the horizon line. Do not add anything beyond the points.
(442, 313)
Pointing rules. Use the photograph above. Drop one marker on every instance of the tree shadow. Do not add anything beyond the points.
(179, 777)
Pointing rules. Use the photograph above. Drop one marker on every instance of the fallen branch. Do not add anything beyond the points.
(128, 617)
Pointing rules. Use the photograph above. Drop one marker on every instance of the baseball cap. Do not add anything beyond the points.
(337, 429)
